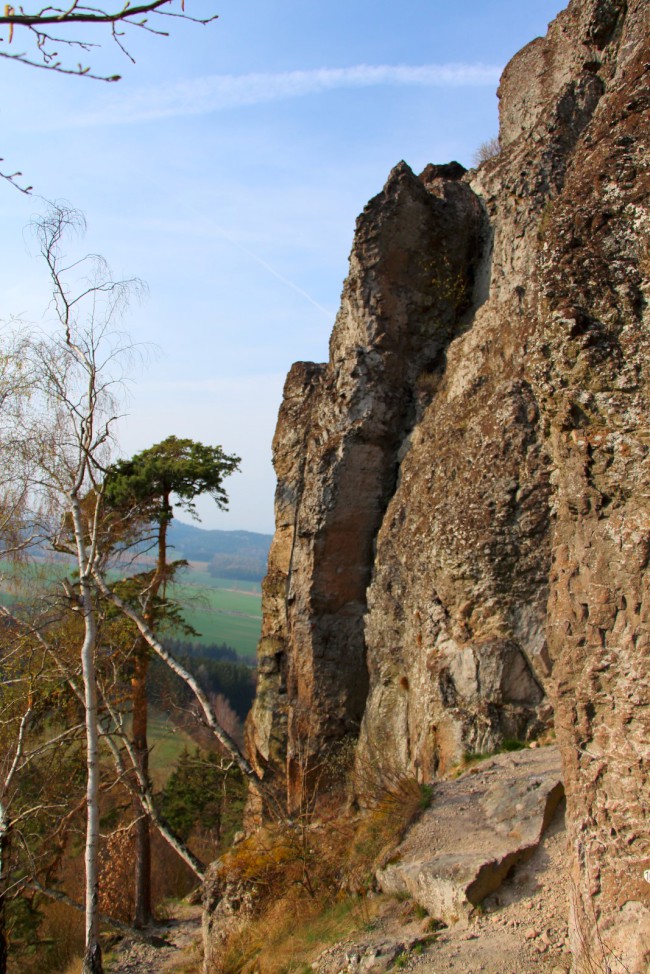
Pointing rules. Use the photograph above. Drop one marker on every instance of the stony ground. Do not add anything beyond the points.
(170, 947)
(521, 929)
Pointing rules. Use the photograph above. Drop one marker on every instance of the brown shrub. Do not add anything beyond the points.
(303, 879)
(60, 944)
(487, 150)
(116, 889)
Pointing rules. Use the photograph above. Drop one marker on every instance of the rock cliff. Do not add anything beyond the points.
(463, 503)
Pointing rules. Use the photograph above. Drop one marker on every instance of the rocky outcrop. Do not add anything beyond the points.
(477, 830)
(463, 512)
(337, 451)
(590, 363)
(228, 905)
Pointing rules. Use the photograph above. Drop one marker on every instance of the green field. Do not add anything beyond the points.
(23, 581)
(223, 610)
(198, 576)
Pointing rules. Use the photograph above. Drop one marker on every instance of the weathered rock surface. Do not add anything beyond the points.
(592, 375)
(228, 906)
(463, 507)
(336, 453)
(477, 829)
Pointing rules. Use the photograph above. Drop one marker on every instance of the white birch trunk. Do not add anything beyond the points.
(5, 833)
(93, 955)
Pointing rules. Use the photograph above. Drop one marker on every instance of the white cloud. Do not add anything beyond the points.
(200, 96)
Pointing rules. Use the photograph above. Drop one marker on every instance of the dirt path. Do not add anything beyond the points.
(172, 947)
(519, 929)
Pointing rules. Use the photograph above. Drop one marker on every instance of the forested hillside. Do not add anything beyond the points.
(238, 555)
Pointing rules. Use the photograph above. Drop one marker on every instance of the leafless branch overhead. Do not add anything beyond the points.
(45, 31)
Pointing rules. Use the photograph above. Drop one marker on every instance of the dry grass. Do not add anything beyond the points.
(309, 879)
(287, 938)
(295, 874)
(381, 829)
(392, 801)
(61, 943)
(284, 857)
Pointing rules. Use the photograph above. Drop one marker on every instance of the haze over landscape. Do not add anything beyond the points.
(226, 170)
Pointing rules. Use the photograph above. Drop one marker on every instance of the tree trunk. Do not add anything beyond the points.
(143, 907)
(93, 956)
(142, 912)
(93, 960)
(5, 842)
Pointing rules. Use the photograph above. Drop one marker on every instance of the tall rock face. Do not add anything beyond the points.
(463, 506)
(337, 452)
(590, 359)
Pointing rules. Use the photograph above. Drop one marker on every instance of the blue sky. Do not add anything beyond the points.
(226, 170)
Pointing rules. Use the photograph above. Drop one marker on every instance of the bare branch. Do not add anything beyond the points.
(55, 894)
(38, 25)
(143, 792)
(12, 178)
(77, 14)
(224, 739)
(20, 744)
(78, 71)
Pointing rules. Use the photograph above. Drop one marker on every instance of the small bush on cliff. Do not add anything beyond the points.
(292, 873)
(513, 744)
(487, 150)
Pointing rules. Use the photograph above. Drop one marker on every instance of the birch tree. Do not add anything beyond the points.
(76, 387)
(78, 372)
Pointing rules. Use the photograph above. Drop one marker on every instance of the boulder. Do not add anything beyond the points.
(478, 828)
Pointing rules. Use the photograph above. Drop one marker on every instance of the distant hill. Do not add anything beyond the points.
(229, 554)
